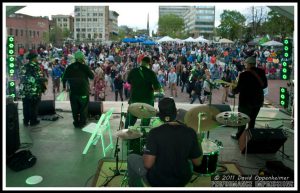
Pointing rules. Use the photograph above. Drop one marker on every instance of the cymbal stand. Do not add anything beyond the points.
(116, 171)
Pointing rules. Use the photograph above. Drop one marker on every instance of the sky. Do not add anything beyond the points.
(133, 15)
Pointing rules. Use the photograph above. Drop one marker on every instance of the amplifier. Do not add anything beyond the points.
(261, 140)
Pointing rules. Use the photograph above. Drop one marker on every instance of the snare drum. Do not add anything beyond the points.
(210, 158)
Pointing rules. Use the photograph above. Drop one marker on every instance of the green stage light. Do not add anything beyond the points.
(283, 97)
(12, 88)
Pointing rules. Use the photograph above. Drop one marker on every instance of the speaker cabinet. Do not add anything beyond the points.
(262, 140)
(95, 108)
(46, 107)
(12, 129)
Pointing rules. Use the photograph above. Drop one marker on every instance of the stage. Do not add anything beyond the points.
(58, 147)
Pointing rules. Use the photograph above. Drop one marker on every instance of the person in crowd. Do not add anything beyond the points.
(32, 85)
(207, 88)
(226, 77)
(172, 78)
(250, 87)
(172, 150)
(118, 85)
(184, 78)
(77, 75)
(56, 76)
(196, 92)
(99, 84)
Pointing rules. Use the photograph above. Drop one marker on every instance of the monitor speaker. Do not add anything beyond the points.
(46, 107)
(262, 140)
(95, 108)
(12, 129)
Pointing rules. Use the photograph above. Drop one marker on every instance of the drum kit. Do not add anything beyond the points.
(201, 118)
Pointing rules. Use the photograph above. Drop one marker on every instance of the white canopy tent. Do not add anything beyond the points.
(166, 39)
(190, 39)
(178, 40)
(225, 41)
(202, 40)
(272, 43)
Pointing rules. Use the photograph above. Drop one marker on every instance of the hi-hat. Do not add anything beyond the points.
(233, 119)
(142, 110)
(128, 134)
(208, 117)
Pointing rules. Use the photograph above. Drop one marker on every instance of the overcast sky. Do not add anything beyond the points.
(131, 14)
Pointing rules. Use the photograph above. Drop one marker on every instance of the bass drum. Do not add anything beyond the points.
(210, 158)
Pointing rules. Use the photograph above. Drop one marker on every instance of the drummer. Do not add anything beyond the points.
(170, 152)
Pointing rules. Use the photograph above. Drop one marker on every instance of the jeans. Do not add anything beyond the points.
(252, 112)
(136, 170)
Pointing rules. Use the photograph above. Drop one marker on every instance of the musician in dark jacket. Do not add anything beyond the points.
(78, 75)
(251, 97)
(32, 85)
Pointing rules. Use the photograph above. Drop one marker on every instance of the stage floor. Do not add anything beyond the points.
(58, 147)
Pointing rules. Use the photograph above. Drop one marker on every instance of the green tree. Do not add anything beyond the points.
(279, 25)
(232, 25)
(56, 36)
(170, 25)
(66, 33)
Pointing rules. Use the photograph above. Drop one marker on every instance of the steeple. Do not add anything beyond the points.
(148, 25)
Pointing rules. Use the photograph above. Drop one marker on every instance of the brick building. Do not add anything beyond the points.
(29, 32)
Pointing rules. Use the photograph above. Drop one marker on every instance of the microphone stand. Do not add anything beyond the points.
(116, 171)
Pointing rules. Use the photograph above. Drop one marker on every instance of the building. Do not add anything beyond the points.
(200, 21)
(176, 10)
(91, 23)
(29, 32)
(64, 22)
(113, 23)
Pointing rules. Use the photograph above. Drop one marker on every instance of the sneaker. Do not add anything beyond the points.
(35, 123)
(233, 136)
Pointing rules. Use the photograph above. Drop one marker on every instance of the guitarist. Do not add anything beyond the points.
(251, 97)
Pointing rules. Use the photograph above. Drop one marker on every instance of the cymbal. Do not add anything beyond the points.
(208, 114)
(142, 110)
(128, 134)
(233, 119)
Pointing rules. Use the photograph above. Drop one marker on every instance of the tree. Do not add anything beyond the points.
(171, 25)
(279, 25)
(56, 36)
(257, 16)
(232, 25)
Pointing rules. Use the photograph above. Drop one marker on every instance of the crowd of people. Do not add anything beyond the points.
(178, 67)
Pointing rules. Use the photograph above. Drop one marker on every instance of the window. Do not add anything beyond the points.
(78, 29)
(89, 19)
(58, 19)
(77, 14)
(83, 19)
(100, 14)
(38, 34)
(89, 29)
(94, 19)
(83, 29)
(29, 33)
(33, 33)
(94, 14)
(65, 19)
(77, 19)
(21, 32)
(17, 32)
(77, 9)
(11, 31)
